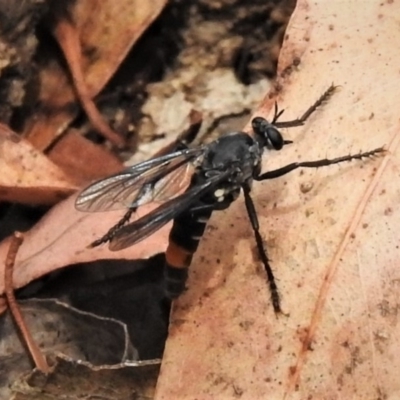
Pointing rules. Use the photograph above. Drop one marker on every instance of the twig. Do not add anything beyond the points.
(68, 39)
(35, 352)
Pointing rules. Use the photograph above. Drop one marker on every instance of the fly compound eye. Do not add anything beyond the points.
(269, 135)
(274, 138)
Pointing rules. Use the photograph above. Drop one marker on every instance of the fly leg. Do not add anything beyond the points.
(112, 231)
(300, 121)
(316, 164)
(251, 211)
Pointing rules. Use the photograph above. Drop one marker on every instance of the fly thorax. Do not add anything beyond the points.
(236, 150)
(237, 156)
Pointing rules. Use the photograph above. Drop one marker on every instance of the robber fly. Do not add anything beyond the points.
(217, 172)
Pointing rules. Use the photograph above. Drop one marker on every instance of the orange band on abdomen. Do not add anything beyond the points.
(178, 257)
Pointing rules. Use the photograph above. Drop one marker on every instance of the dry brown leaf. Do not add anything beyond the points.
(61, 238)
(63, 330)
(107, 32)
(82, 159)
(334, 249)
(28, 176)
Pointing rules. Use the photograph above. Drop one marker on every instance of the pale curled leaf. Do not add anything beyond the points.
(225, 341)
(62, 236)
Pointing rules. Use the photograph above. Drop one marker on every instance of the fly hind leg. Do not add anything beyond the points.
(273, 288)
(112, 231)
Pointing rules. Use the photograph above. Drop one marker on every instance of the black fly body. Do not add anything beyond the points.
(217, 173)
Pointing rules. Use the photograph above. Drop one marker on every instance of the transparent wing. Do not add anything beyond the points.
(137, 185)
(155, 220)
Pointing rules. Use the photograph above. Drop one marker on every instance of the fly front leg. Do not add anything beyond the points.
(300, 121)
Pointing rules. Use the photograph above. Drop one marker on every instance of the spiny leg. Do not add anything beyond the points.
(300, 121)
(316, 164)
(112, 231)
(251, 211)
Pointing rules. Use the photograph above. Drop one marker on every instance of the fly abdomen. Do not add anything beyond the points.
(184, 238)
